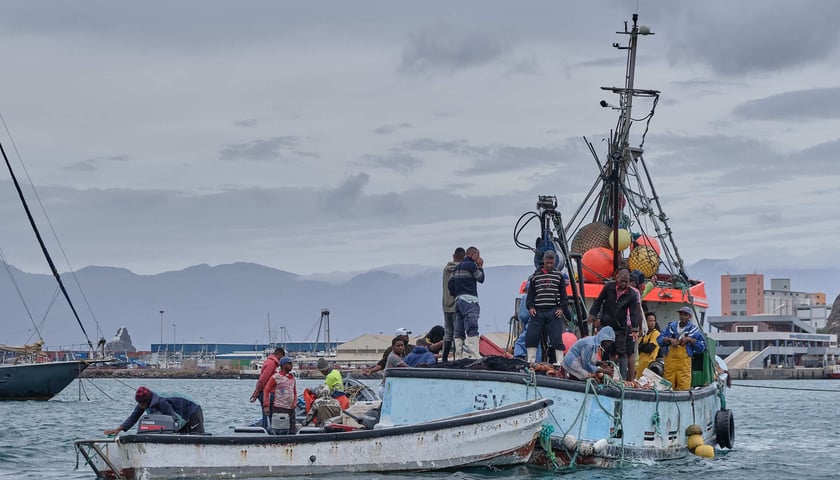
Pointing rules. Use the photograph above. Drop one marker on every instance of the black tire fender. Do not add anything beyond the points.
(725, 428)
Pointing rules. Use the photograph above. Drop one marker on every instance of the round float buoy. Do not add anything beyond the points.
(589, 236)
(693, 429)
(569, 339)
(597, 264)
(694, 441)
(645, 260)
(725, 428)
(646, 241)
(623, 239)
(705, 451)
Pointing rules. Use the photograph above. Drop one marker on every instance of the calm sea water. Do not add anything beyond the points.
(787, 431)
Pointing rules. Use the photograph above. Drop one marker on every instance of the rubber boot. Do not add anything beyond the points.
(447, 346)
(622, 366)
(532, 354)
(459, 349)
(471, 348)
(558, 358)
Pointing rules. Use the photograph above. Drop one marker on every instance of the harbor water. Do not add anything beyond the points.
(783, 429)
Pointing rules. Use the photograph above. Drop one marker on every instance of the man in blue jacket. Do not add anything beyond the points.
(679, 342)
(188, 415)
(420, 355)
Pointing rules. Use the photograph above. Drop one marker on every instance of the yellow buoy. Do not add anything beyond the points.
(694, 441)
(705, 451)
(693, 429)
(623, 239)
(645, 260)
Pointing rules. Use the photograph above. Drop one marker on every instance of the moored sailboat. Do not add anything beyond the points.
(27, 372)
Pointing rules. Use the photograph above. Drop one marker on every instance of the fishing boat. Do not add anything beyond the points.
(27, 372)
(493, 437)
(604, 423)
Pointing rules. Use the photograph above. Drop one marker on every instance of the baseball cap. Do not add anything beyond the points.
(285, 360)
(402, 331)
(684, 310)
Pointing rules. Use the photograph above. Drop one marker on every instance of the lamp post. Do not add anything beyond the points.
(161, 328)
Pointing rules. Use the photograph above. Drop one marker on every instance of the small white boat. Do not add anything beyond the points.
(498, 437)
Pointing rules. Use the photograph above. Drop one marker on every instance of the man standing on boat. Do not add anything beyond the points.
(463, 285)
(284, 387)
(548, 306)
(449, 302)
(617, 306)
(270, 365)
(679, 342)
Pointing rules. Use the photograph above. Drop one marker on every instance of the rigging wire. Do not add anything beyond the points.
(786, 388)
(72, 270)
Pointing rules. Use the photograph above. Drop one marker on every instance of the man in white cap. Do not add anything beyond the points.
(679, 342)
(380, 365)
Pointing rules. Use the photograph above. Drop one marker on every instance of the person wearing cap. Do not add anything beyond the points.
(679, 342)
(333, 381)
(188, 415)
(449, 302)
(269, 367)
(282, 384)
(383, 362)
(463, 285)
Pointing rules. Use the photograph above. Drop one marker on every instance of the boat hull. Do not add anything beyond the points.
(37, 381)
(631, 425)
(504, 436)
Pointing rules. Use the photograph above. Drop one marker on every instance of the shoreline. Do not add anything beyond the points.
(203, 374)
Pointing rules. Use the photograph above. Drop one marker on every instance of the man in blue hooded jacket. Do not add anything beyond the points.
(581, 361)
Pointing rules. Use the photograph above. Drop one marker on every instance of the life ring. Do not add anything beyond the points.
(725, 428)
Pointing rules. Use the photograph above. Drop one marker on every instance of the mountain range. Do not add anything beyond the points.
(243, 302)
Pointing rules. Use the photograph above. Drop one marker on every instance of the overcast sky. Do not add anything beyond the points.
(322, 136)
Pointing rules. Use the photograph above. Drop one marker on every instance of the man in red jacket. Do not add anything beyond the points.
(269, 367)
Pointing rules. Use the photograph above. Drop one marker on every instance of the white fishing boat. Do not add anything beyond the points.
(594, 423)
(494, 437)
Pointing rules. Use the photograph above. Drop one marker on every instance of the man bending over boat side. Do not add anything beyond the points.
(581, 361)
(187, 414)
(323, 408)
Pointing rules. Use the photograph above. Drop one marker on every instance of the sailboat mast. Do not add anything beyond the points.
(43, 245)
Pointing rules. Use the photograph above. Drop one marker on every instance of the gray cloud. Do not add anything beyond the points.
(93, 164)
(247, 123)
(738, 38)
(396, 160)
(814, 104)
(444, 48)
(391, 128)
(264, 150)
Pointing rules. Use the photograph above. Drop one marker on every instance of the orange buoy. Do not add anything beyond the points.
(646, 241)
(569, 339)
(597, 264)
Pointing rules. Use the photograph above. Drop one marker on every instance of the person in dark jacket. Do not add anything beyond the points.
(188, 415)
(463, 285)
(617, 306)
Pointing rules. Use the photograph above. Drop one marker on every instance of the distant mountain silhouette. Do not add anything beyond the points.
(233, 303)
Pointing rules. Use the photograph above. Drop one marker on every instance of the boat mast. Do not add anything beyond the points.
(619, 149)
(43, 245)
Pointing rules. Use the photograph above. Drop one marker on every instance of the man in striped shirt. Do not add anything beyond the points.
(548, 306)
